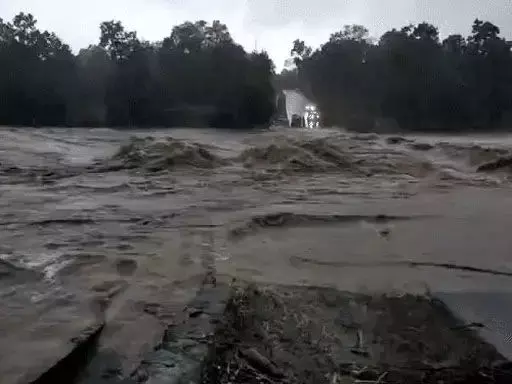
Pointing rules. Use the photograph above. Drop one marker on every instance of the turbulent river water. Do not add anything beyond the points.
(126, 220)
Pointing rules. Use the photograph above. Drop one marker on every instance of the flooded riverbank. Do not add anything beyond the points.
(95, 222)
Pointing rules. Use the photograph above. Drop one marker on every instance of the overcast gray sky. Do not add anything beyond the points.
(274, 24)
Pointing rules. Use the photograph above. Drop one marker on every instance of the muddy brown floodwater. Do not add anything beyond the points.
(103, 221)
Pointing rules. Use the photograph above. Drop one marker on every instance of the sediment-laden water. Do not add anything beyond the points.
(97, 221)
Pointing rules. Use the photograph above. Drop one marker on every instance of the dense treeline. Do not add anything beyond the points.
(196, 76)
(410, 77)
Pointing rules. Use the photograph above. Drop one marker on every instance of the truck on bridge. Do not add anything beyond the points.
(296, 110)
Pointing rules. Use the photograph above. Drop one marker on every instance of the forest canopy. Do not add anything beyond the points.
(410, 78)
(196, 76)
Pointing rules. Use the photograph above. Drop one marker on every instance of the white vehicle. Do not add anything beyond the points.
(300, 112)
(311, 116)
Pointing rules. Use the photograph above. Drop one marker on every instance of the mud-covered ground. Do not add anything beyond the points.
(312, 335)
(105, 226)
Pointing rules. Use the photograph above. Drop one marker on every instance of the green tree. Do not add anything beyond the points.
(94, 70)
(412, 77)
(38, 75)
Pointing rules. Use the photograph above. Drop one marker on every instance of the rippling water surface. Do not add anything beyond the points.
(97, 219)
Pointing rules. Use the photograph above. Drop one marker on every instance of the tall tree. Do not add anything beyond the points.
(410, 76)
(38, 75)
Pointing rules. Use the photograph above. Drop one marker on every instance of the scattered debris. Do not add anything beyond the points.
(292, 335)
